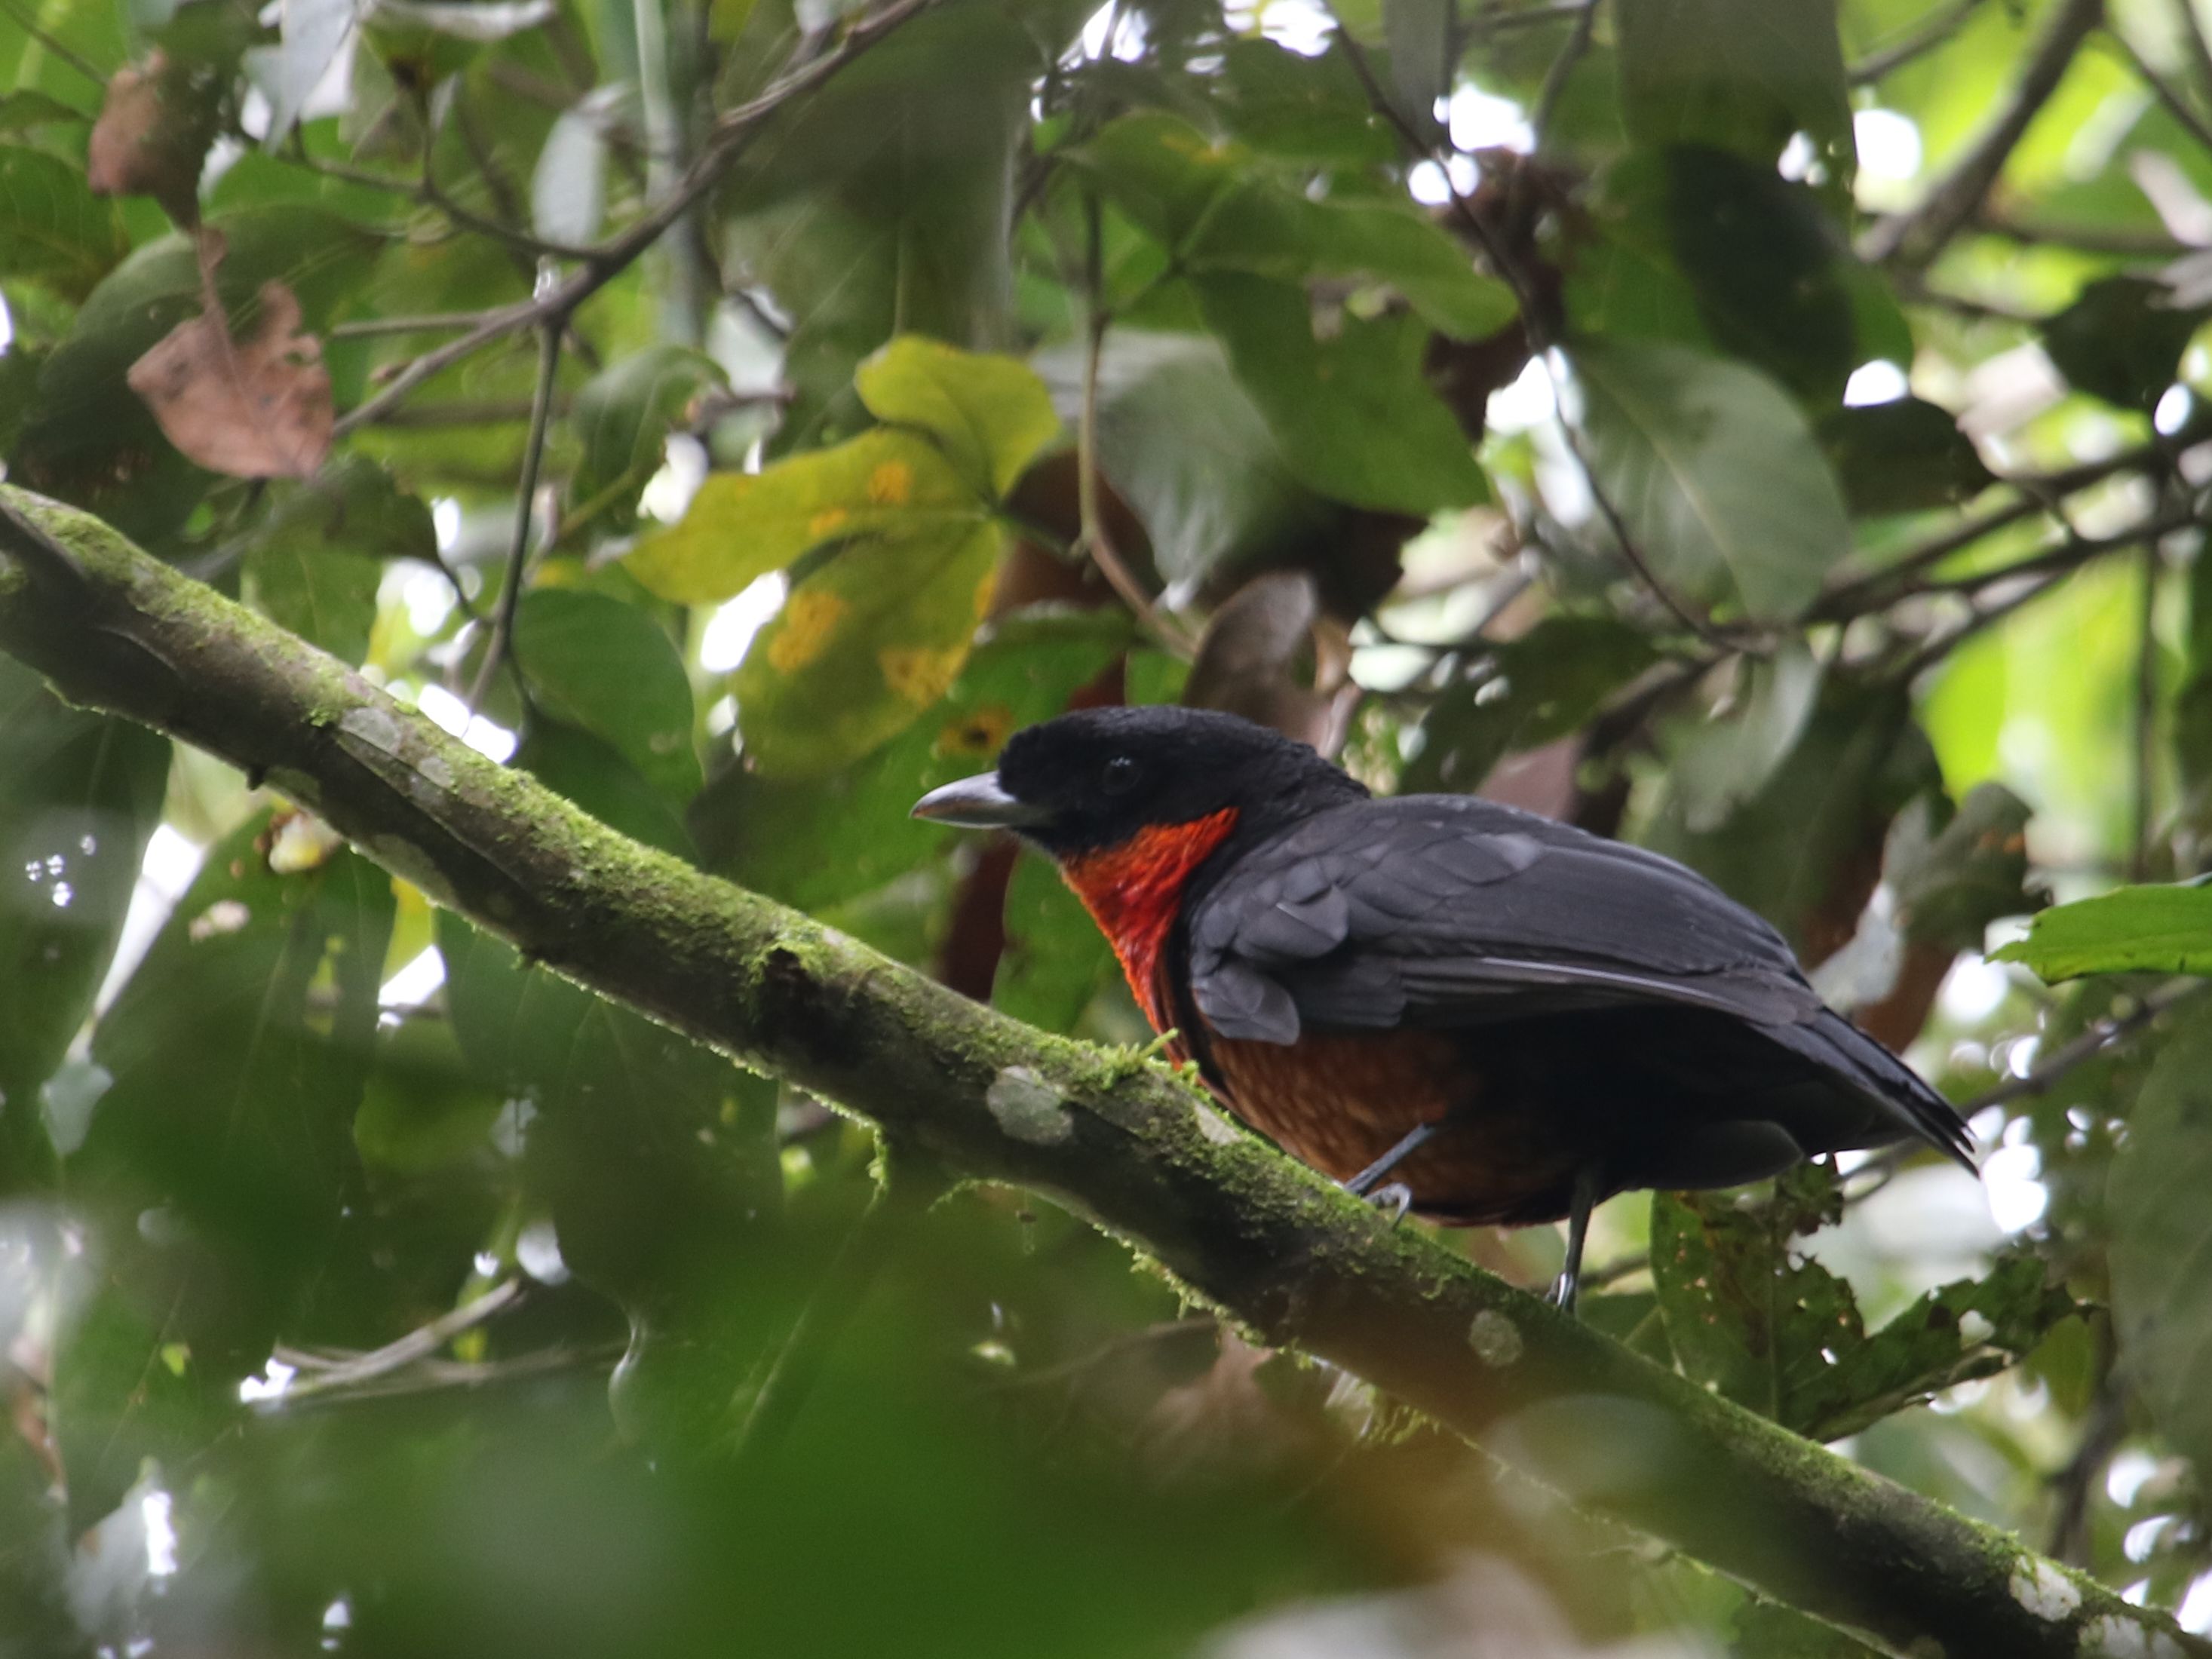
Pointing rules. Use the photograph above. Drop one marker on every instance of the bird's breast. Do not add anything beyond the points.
(1135, 890)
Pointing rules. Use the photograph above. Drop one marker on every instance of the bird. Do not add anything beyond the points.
(1507, 1019)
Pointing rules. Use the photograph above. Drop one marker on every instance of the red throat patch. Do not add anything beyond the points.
(1134, 892)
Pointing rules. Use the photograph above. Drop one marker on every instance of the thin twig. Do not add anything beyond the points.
(2193, 41)
(501, 647)
(1916, 237)
(810, 67)
(2168, 96)
(441, 322)
(2089, 239)
(2079, 1050)
(1497, 19)
(1095, 539)
(1556, 77)
(1929, 36)
(417, 1344)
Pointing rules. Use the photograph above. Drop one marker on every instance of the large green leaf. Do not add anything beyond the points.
(1350, 405)
(742, 525)
(314, 562)
(1716, 473)
(1530, 690)
(658, 1160)
(52, 228)
(238, 1052)
(817, 841)
(2161, 1236)
(607, 668)
(1738, 75)
(1217, 210)
(862, 646)
(1903, 456)
(81, 795)
(623, 417)
(1055, 959)
(1777, 1331)
(2122, 339)
(990, 414)
(2166, 930)
(1184, 445)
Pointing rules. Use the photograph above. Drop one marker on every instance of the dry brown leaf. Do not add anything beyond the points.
(152, 137)
(256, 407)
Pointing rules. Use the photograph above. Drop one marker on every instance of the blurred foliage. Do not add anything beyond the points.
(1682, 416)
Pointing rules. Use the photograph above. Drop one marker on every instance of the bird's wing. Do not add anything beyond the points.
(1446, 911)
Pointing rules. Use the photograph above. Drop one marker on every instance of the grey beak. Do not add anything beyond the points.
(978, 803)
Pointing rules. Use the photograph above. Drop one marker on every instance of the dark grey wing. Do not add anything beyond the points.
(1446, 911)
(1441, 909)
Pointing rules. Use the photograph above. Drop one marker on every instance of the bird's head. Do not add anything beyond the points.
(1095, 780)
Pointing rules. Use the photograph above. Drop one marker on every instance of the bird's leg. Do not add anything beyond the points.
(1588, 1183)
(1409, 1143)
(1397, 1197)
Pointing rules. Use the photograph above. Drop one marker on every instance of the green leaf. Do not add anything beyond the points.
(742, 525)
(992, 414)
(1715, 471)
(82, 794)
(1184, 445)
(2161, 1231)
(1541, 686)
(595, 774)
(1713, 769)
(1055, 959)
(607, 668)
(1353, 411)
(2122, 340)
(813, 842)
(1903, 456)
(52, 228)
(657, 1159)
(1422, 38)
(1951, 883)
(622, 416)
(26, 109)
(314, 562)
(862, 646)
(2154, 929)
(237, 1050)
(1300, 108)
(1738, 75)
(1217, 210)
(423, 1109)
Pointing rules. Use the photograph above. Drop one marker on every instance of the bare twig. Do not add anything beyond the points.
(2167, 95)
(1915, 238)
(2090, 239)
(501, 647)
(1925, 40)
(417, 1344)
(810, 66)
(1498, 19)
(2079, 1050)
(1095, 539)
(1556, 77)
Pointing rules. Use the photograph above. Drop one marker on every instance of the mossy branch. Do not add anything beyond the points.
(1120, 1140)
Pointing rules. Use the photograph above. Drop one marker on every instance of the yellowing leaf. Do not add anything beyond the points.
(742, 525)
(992, 414)
(866, 644)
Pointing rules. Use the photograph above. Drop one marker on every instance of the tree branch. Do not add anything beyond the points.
(1915, 238)
(1112, 1137)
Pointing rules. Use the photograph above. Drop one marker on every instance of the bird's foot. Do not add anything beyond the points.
(1394, 1199)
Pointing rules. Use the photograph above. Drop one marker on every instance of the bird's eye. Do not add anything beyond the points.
(1120, 776)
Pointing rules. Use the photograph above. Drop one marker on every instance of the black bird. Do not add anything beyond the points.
(1515, 1019)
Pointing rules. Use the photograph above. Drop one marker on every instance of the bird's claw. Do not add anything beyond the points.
(1395, 1199)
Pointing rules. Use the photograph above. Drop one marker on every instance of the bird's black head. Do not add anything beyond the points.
(1092, 779)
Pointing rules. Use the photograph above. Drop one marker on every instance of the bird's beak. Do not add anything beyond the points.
(978, 803)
